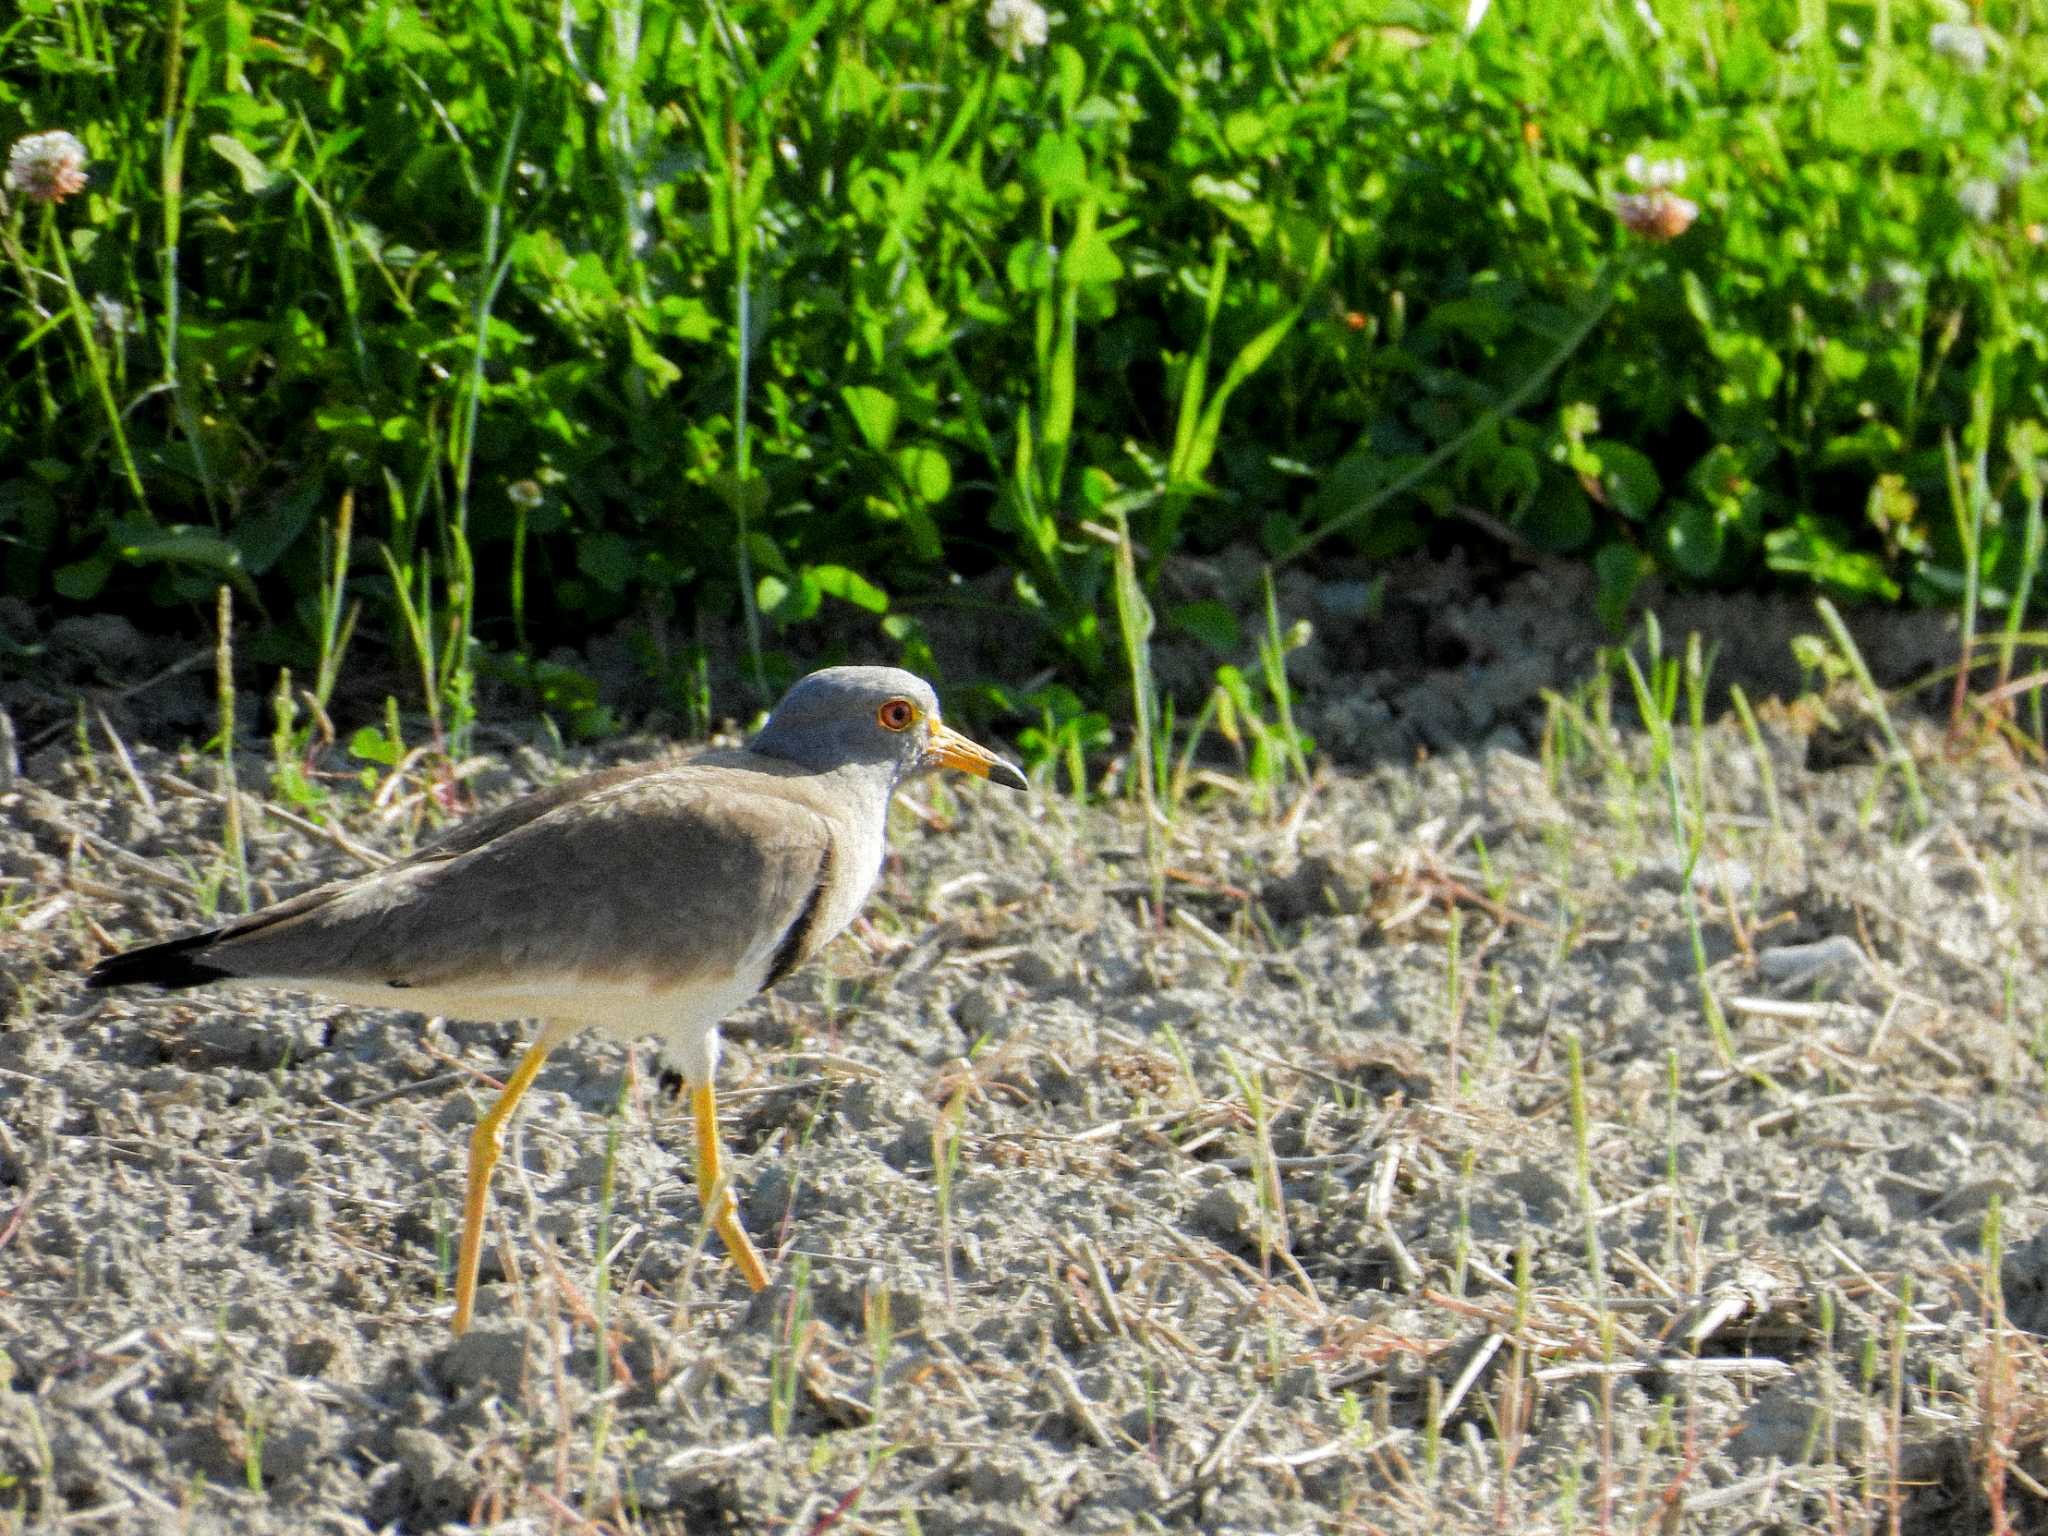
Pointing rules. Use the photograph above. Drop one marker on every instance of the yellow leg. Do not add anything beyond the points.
(484, 1144)
(717, 1194)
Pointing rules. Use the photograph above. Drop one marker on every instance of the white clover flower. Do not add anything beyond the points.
(46, 167)
(1655, 213)
(1978, 198)
(1656, 216)
(2014, 161)
(1654, 175)
(110, 316)
(1959, 41)
(1017, 25)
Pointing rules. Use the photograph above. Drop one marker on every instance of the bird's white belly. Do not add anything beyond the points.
(617, 1007)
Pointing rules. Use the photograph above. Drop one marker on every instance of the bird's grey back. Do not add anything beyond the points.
(655, 871)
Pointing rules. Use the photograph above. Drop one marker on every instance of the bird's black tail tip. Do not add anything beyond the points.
(173, 965)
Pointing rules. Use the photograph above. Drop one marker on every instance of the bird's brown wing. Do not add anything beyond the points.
(475, 831)
(682, 873)
(184, 961)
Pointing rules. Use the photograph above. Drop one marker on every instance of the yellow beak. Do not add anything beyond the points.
(949, 749)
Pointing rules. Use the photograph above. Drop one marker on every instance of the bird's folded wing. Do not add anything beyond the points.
(680, 875)
(475, 831)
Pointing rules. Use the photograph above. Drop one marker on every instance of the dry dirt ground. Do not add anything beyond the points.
(1411, 1166)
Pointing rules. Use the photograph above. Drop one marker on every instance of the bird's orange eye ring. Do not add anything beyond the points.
(896, 715)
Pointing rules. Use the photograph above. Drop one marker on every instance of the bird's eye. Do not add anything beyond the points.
(897, 714)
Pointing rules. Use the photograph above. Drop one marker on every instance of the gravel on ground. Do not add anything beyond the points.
(1545, 1135)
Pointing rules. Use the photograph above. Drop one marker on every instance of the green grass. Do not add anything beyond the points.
(562, 319)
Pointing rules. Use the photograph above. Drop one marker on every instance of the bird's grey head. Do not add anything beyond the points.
(879, 715)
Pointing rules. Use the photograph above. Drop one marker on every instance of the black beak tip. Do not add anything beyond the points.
(1008, 774)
